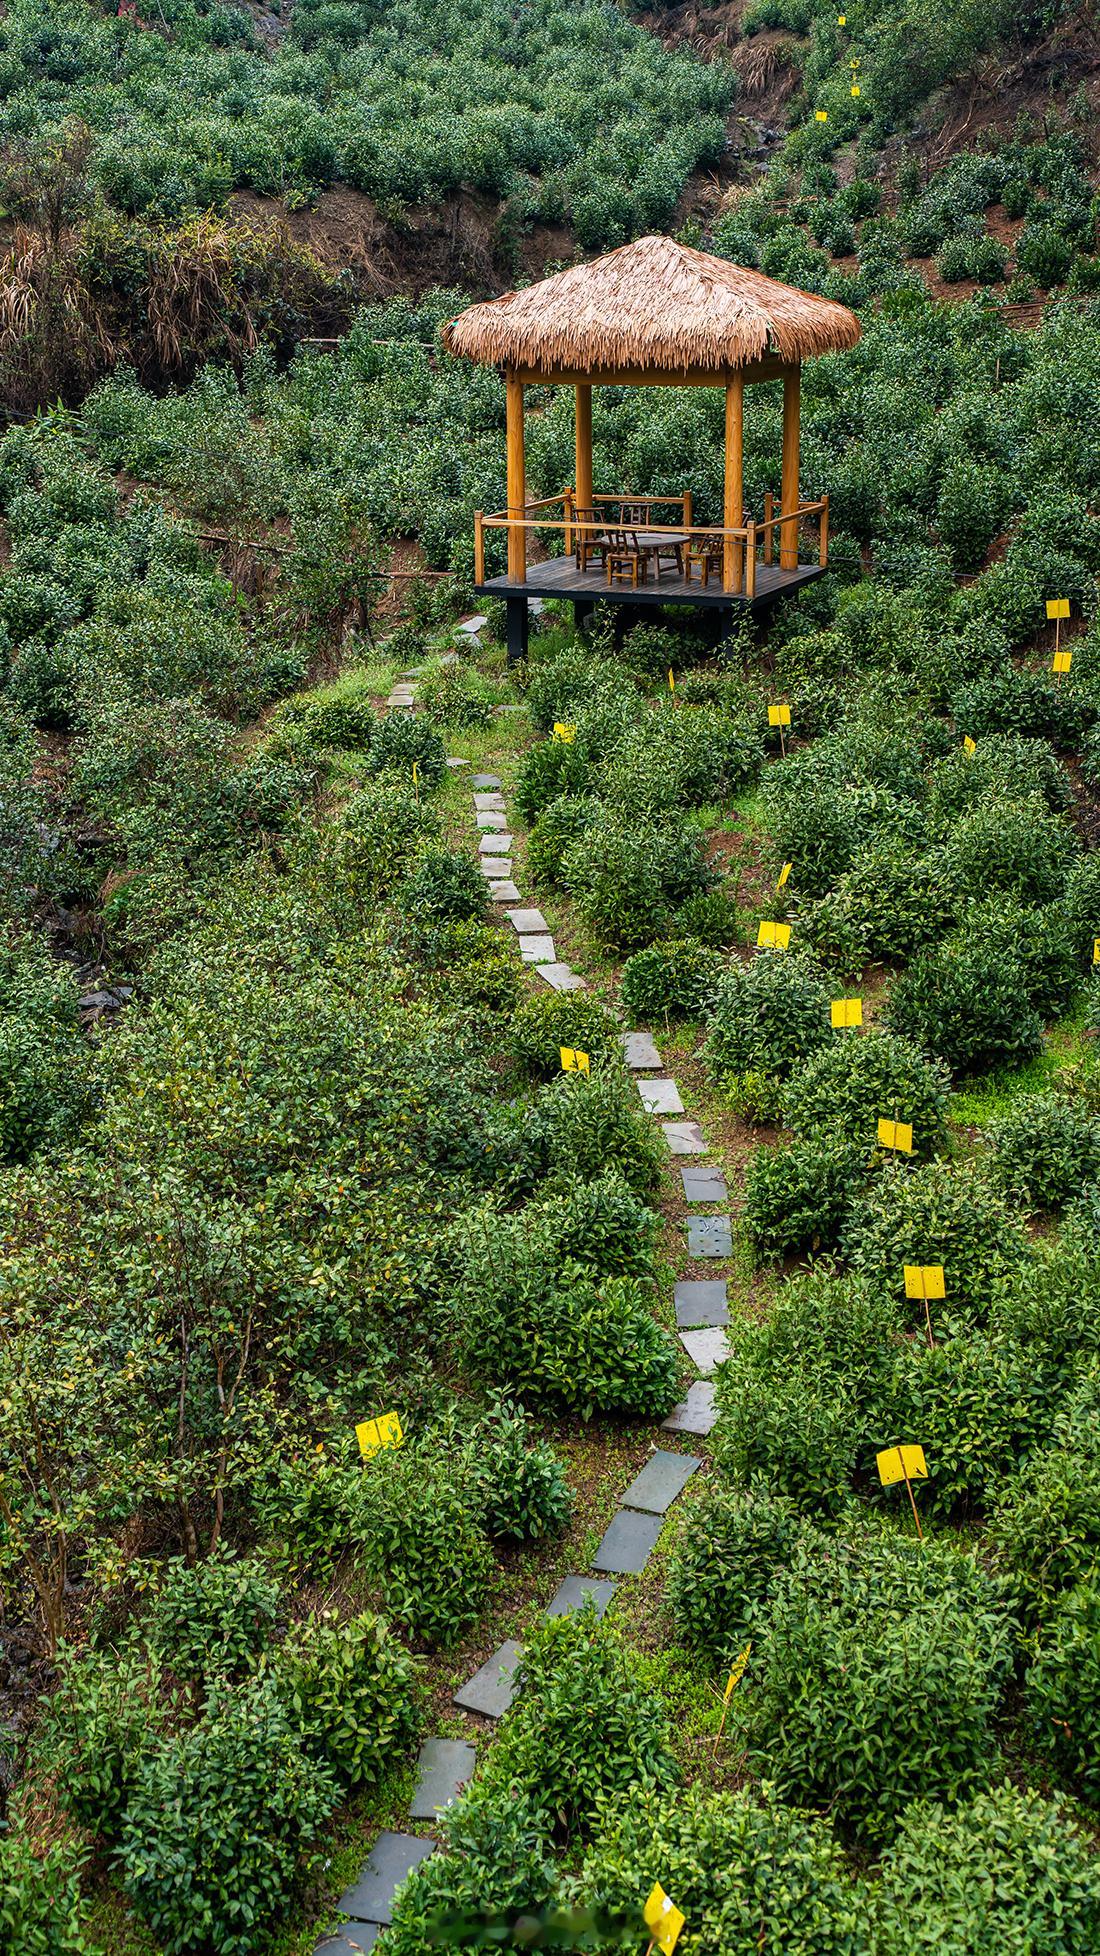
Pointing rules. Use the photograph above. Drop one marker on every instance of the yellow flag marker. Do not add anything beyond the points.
(737, 1672)
(374, 1434)
(664, 1918)
(1061, 662)
(773, 937)
(855, 88)
(846, 1012)
(671, 680)
(1057, 608)
(842, 20)
(779, 716)
(903, 1464)
(784, 876)
(1096, 950)
(563, 730)
(821, 115)
(969, 746)
(897, 1135)
(925, 1281)
(573, 1060)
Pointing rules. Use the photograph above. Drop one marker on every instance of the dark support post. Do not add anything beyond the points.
(582, 612)
(516, 609)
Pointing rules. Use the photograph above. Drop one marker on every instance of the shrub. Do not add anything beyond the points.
(849, 1085)
(886, 905)
(796, 1198)
(1006, 1873)
(626, 880)
(980, 1403)
(967, 1002)
(595, 1223)
(495, 1862)
(445, 888)
(217, 1822)
(583, 1728)
(881, 1668)
(1042, 254)
(970, 510)
(99, 1721)
(1044, 1149)
(936, 1213)
(381, 831)
(562, 823)
(709, 918)
(747, 1871)
(547, 1021)
(731, 1545)
(677, 980)
(552, 769)
(1040, 940)
(402, 738)
(1063, 1688)
(523, 1486)
(41, 1909)
(1045, 1528)
(212, 1621)
(597, 1122)
(424, 1545)
(588, 1346)
(1015, 846)
(1006, 766)
(350, 1689)
(766, 1017)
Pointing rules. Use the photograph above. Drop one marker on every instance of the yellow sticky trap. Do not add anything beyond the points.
(773, 937)
(671, 680)
(416, 773)
(779, 716)
(1057, 607)
(573, 1060)
(899, 1464)
(969, 746)
(855, 88)
(784, 876)
(1061, 662)
(846, 1012)
(564, 731)
(842, 20)
(664, 1919)
(925, 1280)
(374, 1434)
(1096, 950)
(821, 115)
(897, 1135)
(740, 1664)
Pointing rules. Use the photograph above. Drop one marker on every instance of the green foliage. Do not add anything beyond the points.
(424, 1545)
(677, 980)
(349, 1687)
(523, 1486)
(732, 1544)
(936, 1213)
(546, 1021)
(1045, 1527)
(445, 887)
(1063, 1688)
(796, 1197)
(882, 1665)
(767, 1016)
(852, 1083)
(1044, 1149)
(1017, 846)
(967, 1002)
(627, 877)
(211, 1622)
(99, 1721)
(41, 1910)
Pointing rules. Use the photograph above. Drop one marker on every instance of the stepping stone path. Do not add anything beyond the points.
(576, 1591)
(445, 1766)
(702, 1314)
(493, 1686)
(664, 1476)
(640, 1052)
(701, 1301)
(709, 1236)
(703, 1185)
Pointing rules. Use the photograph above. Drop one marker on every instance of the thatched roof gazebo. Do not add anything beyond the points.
(655, 313)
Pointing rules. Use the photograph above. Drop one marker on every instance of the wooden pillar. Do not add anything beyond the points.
(584, 447)
(735, 485)
(517, 491)
(788, 504)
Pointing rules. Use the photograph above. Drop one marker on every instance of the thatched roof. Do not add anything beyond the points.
(652, 304)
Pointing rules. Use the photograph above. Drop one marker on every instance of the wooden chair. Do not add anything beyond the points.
(624, 557)
(589, 536)
(634, 516)
(707, 553)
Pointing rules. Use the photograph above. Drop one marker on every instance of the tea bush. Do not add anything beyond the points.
(1044, 1149)
(546, 1021)
(627, 879)
(731, 1546)
(98, 1723)
(677, 980)
(424, 1545)
(982, 1405)
(42, 1912)
(523, 1485)
(494, 1860)
(967, 1002)
(852, 1083)
(766, 1016)
(589, 1346)
(1019, 847)
(1063, 1688)
(212, 1621)
(1044, 1526)
(796, 1198)
(936, 1213)
(350, 1689)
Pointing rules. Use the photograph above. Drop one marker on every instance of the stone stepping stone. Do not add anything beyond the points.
(537, 949)
(701, 1301)
(629, 1541)
(491, 1689)
(527, 920)
(489, 819)
(472, 625)
(445, 1766)
(562, 978)
(496, 868)
(485, 781)
(489, 801)
(575, 1591)
(709, 1236)
(454, 760)
(640, 1052)
(398, 704)
(412, 672)
(695, 1414)
(684, 1137)
(495, 845)
(664, 1476)
(391, 1859)
(660, 1096)
(706, 1349)
(504, 891)
(703, 1185)
(349, 1940)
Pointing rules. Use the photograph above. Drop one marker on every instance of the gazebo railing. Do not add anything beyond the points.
(743, 546)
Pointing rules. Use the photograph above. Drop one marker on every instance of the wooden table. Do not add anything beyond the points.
(650, 541)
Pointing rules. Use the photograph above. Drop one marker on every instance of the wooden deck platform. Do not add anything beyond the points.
(559, 577)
